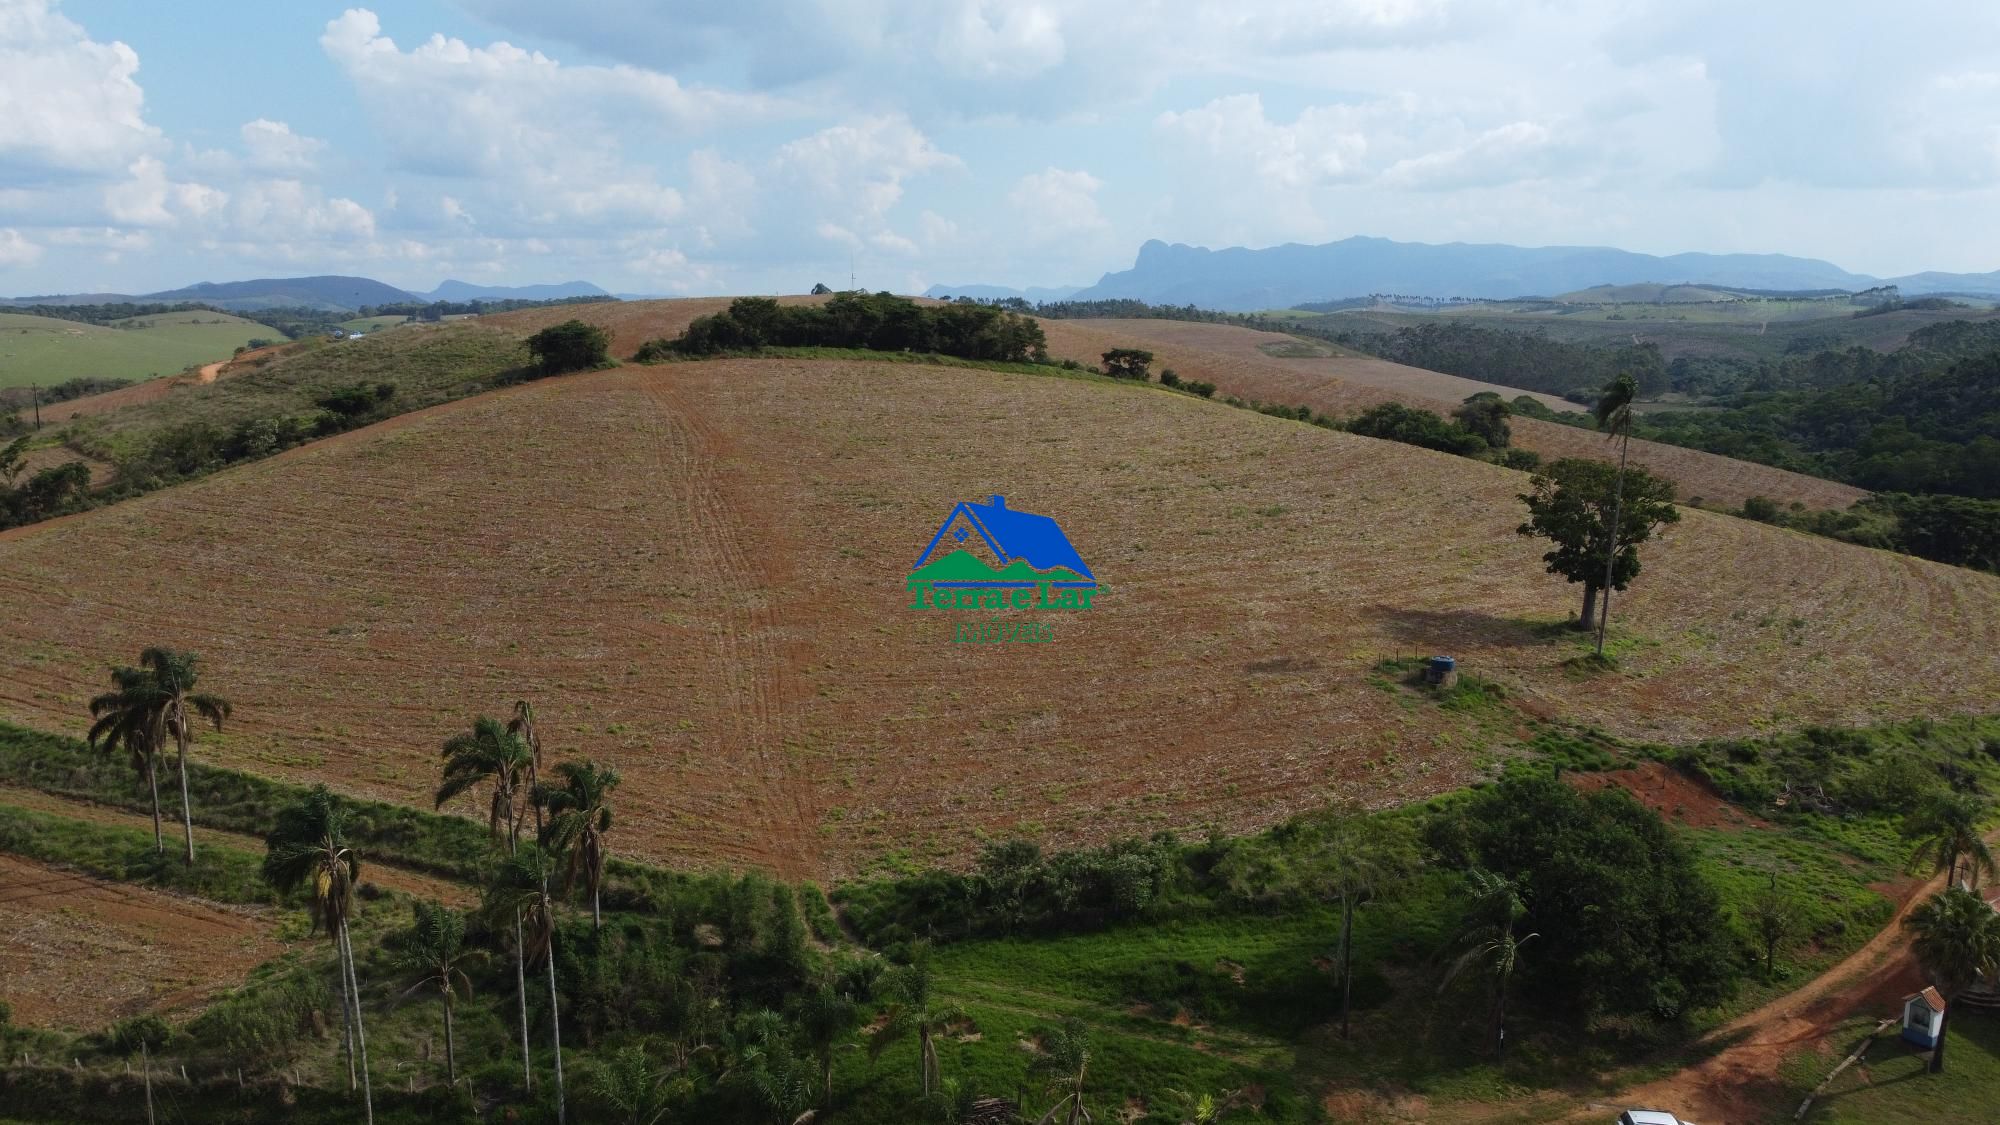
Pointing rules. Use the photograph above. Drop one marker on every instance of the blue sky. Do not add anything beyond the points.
(722, 146)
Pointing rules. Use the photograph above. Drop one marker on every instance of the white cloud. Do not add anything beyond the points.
(68, 104)
(150, 198)
(16, 251)
(290, 211)
(1055, 203)
(845, 179)
(272, 146)
(549, 141)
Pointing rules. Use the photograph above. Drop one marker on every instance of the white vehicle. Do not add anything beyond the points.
(1649, 1117)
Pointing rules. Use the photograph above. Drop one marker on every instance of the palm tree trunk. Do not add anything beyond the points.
(153, 782)
(450, 1051)
(1611, 556)
(360, 1033)
(346, 1015)
(187, 806)
(596, 907)
(555, 1022)
(521, 991)
(925, 1056)
(1500, 1022)
(1346, 960)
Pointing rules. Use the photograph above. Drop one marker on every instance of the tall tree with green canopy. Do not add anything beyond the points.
(1491, 940)
(130, 718)
(522, 725)
(1958, 941)
(490, 754)
(1628, 922)
(1945, 829)
(916, 1012)
(1575, 503)
(520, 889)
(307, 850)
(1355, 859)
(435, 954)
(1614, 417)
(174, 675)
(579, 818)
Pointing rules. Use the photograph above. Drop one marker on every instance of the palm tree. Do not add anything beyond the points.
(489, 752)
(1958, 941)
(765, 1065)
(1356, 859)
(522, 725)
(579, 816)
(1614, 417)
(435, 954)
(307, 849)
(521, 889)
(629, 1083)
(1490, 941)
(174, 675)
(130, 718)
(915, 1011)
(826, 1017)
(1063, 1061)
(1945, 829)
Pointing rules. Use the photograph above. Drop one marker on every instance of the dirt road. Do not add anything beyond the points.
(1734, 1084)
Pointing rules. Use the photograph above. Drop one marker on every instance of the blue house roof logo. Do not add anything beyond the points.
(1030, 563)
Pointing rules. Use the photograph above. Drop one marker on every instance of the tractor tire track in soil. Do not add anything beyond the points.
(78, 952)
(690, 448)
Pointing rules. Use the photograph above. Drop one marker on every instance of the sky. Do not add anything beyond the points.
(735, 146)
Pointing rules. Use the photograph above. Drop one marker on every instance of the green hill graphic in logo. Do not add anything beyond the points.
(989, 556)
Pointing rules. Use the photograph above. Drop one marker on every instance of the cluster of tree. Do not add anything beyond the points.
(1925, 304)
(1815, 361)
(1934, 428)
(106, 314)
(1958, 530)
(1529, 360)
(874, 322)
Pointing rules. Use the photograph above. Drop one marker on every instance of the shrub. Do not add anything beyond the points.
(570, 346)
(1526, 460)
(1411, 426)
(1127, 363)
(1169, 377)
(1763, 509)
(1205, 390)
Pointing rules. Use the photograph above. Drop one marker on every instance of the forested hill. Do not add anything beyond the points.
(1908, 426)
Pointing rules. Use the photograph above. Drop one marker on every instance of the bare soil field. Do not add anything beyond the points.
(696, 571)
(77, 953)
(1672, 794)
(1229, 357)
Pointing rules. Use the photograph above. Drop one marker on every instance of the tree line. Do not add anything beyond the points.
(875, 322)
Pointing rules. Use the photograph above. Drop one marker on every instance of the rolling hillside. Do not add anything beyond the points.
(1232, 358)
(696, 571)
(44, 350)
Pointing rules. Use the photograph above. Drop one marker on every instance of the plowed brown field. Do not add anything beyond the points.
(77, 953)
(1229, 357)
(696, 571)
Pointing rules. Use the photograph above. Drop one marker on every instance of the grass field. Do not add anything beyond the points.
(373, 323)
(43, 350)
(1890, 1086)
(696, 571)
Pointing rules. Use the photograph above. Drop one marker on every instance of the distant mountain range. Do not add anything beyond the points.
(1241, 280)
(1032, 294)
(331, 293)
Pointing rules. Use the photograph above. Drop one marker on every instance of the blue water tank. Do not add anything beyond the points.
(1439, 668)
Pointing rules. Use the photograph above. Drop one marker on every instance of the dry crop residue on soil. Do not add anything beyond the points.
(78, 953)
(696, 572)
(1228, 357)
